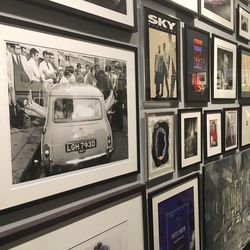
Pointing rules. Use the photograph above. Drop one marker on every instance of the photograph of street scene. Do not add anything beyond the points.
(67, 110)
(221, 8)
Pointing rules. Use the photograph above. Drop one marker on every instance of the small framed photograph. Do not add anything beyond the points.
(230, 128)
(162, 34)
(244, 23)
(197, 65)
(174, 215)
(161, 144)
(224, 69)
(244, 74)
(213, 133)
(190, 127)
(219, 12)
(245, 126)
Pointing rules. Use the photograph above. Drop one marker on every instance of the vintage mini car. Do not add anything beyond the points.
(76, 129)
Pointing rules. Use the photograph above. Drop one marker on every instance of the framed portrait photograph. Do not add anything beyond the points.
(213, 133)
(219, 12)
(119, 13)
(224, 69)
(190, 133)
(94, 225)
(174, 215)
(245, 126)
(160, 144)
(162, 34)
(68, 121)
(196, 65)
(244, 23)
(244, 74)
(230, 128)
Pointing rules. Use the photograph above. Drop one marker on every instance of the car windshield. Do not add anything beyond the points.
(73, 110)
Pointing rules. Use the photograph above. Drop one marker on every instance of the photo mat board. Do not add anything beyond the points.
(224, 85)
(244, 23)
(160, 144)
(245, 126)
(197, 53)
(162, 34)
(191, 5)
(35, 156)
(174, 215)
(219, 12)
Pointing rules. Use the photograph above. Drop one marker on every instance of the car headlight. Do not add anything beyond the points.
(109, 140)
(46, 151)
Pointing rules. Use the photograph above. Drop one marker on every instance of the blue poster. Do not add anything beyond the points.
(176, 221)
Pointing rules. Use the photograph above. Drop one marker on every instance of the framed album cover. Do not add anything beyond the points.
(162, 34)
(64, 124)
(224, 69)
(213, 133)
(245, 126)
(190, 136)
(244, 74)
(196, 65)
(119, 13)
(219, 12)
(244, 23)
(230, 128)
(160, 144)
(174, 215)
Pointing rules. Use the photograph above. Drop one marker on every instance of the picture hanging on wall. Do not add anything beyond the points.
(219, 12)
(161, 56)
(196, 65)
(230, 128)
(68, 120)
(244, 74)
(245, 126)
(213, 133)
(161, 144)
(174, 215)
(224, 69)
(244, 23)
(190, 129)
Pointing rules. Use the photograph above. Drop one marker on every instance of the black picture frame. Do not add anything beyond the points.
(230, 137)
(244, 129)
(167, 194)
(243, 94)
(189, 132)
(196, 45)
(170, 84)
(210, 156)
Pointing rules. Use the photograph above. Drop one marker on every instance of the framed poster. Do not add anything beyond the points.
(190, 127)
(119, 13)
(160, 144)
(162, 34)
(104, 232)
(196, 65)
(224, 69)
(244, 74)
(66, 123)
(244, 22)
(245, 126)
(230, 128)
(174, 215)
(219, 12)
(213, 133)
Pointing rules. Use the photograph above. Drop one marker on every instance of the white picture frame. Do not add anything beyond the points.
(245, 126)
(244, 23)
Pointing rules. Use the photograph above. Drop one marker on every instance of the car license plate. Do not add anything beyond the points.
(80, 146)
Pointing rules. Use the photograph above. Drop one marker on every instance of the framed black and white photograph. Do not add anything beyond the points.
(213, 133)
(162, 34)
(244, 74)
(119, 13)
(245, 126)
(219, 12)
(190, 133)
(196, 65)
(230, 128)
(68, 120)
(174, 215)
(160, 144)
(224, 84)
(244, 23)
